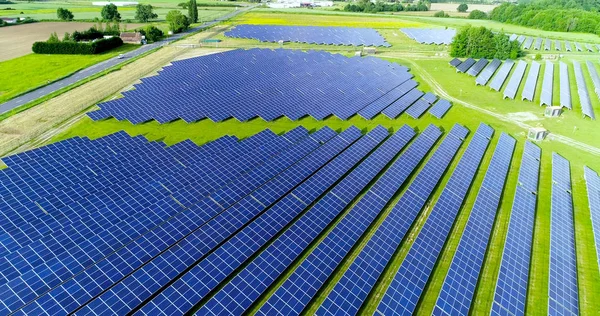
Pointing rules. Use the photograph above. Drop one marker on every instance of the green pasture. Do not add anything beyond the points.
(30, 71)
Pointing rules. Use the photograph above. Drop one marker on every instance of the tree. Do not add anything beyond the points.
(463, 7)
(193, 11)
(110, 13)
(183, 5)
(64, 14)
(177, 21)
(477, 15)
(441, 14)
(143, 13)
(53, 38)
(480, 42)
(153, 33)
(67, 37)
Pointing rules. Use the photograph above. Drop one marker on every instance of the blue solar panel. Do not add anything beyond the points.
(295, 293)
(245, 84)
(163, 236)
(357, 281)
(501, 75)
(477, 67)
(511, 287)
(582, 91)
(258, 275)
(465, 65)
(408, 284)
(531, 82)
(593, 192)
(565, 87)
(459, 285)
(371, 110)
(430, 36)
(400, 105)
(487, 73)
(310, 34)
(515, 80)
(547, 85)
(440, 108)
(563, 296)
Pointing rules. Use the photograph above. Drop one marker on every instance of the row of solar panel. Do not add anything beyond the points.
(249, 209)
(484, 70)
(310, 34)
(536, 43)
(430, 36)
(245, 84)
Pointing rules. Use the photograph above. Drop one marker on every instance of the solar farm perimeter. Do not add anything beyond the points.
(349, 188)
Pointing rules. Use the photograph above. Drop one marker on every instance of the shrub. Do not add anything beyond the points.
(463, 7)
(91, 34)
(538, 56)
(64, 14)
(153, 33)
(441, 14)
(478, 15)
(73, 48)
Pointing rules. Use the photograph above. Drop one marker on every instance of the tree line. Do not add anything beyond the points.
(561, 16)
(367, 6)
(481, 42)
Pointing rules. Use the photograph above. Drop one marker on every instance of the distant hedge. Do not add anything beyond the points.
(74, 48)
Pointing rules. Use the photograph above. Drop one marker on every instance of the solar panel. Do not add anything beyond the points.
(477, 67)
(557, 45)
(568, 46)
(353, 36)
(515, 81)
(214, 210)
(259, 274)
(565, 87)
(531, 82)
(371, 110)
(459, 285)
(589, 48)
(528, 42)
(465, 65)
(563, 296)
(595, 78)
(488, 72)
(521, 39)
(547, 85)
(430, 97)
(409, 282)
(418, 108)
(547, 44)
(430, 36)
(455, 62)
(440, 108)
(582, 91)
(245, 84)
(578, 47)
(511, 285)
(501, 75)
(512, 37)
(593, 192)
(538, 43)
(400, 105)
(350, 292)
(300, 287)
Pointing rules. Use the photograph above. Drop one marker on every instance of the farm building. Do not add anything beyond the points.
(132, 37)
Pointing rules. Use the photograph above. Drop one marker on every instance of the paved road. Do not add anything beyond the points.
(92, 70)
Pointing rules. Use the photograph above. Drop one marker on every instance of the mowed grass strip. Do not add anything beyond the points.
(29, 72)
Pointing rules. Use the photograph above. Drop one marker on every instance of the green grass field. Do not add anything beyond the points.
(33, 70)
(430, 66)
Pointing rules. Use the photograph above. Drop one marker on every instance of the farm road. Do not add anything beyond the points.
(92, 70)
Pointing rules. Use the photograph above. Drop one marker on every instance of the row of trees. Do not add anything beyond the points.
(380, 6)
(110, 12)
(573, 17)
(481, 42)
(68, 46)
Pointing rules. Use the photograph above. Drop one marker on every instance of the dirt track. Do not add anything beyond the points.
(16, 40)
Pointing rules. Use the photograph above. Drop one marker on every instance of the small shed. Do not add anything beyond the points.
(10, 20)
(553, 111)
(132, 37)
(537, 133)
(369, 50)
(358, 53)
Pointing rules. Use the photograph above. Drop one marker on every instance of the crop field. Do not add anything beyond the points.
(571, 136)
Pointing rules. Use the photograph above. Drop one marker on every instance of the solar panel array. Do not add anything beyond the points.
(350, 292)
(502, 74)
(408, 284)
(595, 78)
(531, 82)
(329, 35)
(557, 45)
(563, 290)
(245, 84)
(440, 108)
(477, 67)
(565, 87)
(430, 36)
(488, 72)
(465, 65)
(511, 286)
(582, 91)
(455, 62)
(592, 181)
(459, 285)
(547, 44)
(515, 80)
(568, 46)
(547, 85)
(538, 43)
(528, 42)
